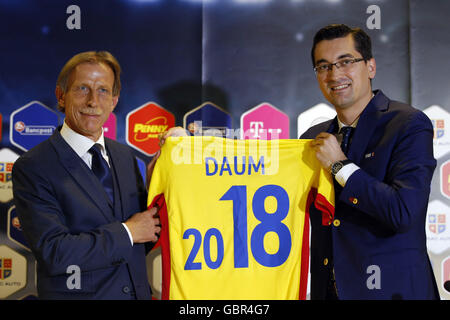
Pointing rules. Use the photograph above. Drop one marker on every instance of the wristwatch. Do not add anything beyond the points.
(335, 167)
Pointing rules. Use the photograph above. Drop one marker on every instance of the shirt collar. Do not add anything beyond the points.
(79, 143)
(353, 125)
(341, 124)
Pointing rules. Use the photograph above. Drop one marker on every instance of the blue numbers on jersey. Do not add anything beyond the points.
(269, 222)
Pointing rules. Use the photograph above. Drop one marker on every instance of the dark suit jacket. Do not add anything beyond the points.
(68, 219)
(377, 243)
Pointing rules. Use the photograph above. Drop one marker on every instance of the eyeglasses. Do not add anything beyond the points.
(341, 64)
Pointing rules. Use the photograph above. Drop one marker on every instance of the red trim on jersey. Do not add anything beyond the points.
(304, 267)
(327, 209)
(322, 204)
(163, 241)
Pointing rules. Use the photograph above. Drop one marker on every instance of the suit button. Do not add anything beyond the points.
(354, 200)
(336, 222)
(126, 289)
(325, 261)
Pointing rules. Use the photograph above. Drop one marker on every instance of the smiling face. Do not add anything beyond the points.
(88, 100)
(349, 87)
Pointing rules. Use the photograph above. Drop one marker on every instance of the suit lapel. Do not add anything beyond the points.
(367, 124)
(121, 173)
(81, 173)
(333, 127)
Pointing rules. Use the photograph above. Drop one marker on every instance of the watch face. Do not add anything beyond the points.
(335, 167)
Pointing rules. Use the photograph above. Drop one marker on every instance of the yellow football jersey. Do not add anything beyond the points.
(234, 216)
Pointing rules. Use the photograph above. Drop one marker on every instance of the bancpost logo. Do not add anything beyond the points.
(144, 124)
(32, 124)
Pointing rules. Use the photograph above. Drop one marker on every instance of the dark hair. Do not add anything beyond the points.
(363, 44)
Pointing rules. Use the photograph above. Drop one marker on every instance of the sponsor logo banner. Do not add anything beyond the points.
(32, 124)
(144, 124)
(208, 120)
(437, 231)
(13, 271)
(110, 127)
(445, 272)
(445, 179)
(15, 229)
(319, 113)
(7, 159)
(264, 122)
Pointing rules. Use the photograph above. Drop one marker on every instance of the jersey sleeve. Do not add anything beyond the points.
(157, 182)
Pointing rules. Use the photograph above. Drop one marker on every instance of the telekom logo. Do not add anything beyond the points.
(264, 122)
(257, 130)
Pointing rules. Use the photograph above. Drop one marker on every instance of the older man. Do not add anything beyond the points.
(80, 198)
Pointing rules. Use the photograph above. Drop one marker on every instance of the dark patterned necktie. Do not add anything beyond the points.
(101, 170)
(346, 136)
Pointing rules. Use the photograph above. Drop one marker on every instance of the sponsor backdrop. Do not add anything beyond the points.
(211, 66)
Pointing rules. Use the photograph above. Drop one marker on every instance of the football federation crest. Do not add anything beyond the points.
(7, 159)
(438, 127)
(438, 234)
(436, 222)
(5, 268)
(11, 281)
(440, 118)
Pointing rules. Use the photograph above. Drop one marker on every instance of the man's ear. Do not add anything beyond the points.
(59, 93)
(371, 68)
(115, 100)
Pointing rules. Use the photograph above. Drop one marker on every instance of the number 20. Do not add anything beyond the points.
(268, 222)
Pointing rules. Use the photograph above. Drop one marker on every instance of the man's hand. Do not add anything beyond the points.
(172, 132)
(144, 226)
(328, 150)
